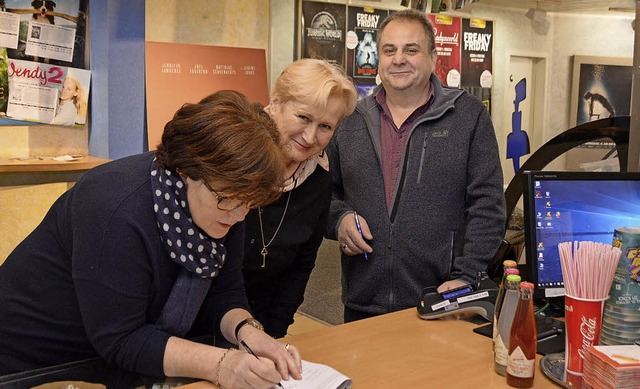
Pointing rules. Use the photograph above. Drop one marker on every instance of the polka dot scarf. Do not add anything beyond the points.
(201, 257)
(183, 241)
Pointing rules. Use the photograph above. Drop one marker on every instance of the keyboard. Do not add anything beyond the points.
(551, 334)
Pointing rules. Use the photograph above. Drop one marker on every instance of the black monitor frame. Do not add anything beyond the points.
(530, 220)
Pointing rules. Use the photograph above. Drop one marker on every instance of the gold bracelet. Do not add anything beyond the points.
(216, 376)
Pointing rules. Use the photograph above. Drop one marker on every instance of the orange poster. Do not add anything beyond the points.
(181, 73)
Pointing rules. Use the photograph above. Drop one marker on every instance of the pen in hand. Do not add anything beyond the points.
(359, 227)
(246, 347)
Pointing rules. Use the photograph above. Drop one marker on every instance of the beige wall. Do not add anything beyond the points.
(235, 23)
(22, 208)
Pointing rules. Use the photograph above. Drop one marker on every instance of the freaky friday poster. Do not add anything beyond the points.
(362, 48)
(476, 53)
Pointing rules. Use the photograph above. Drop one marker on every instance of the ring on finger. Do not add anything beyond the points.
(286, 346)
(346, 246)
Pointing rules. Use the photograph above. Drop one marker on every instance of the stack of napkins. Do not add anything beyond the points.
(612, 366)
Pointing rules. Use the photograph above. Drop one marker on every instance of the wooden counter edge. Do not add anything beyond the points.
(49, 165)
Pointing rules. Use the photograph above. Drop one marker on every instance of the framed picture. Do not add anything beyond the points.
(600, 88)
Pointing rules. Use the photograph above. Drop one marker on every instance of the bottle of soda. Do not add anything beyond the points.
(507, 312)
(523, 341)
(510, 267)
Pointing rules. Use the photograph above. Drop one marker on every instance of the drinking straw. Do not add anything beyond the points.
(588, 268)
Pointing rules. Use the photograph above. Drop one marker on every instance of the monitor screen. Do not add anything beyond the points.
(573, 206)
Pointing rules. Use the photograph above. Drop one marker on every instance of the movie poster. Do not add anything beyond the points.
(447, 37)
(362, 49)
(477, 53)
(182, 73)
(603, 91)
(51, 32)
(50, 94)
(323, 31)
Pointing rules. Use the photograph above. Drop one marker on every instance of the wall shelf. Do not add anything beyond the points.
(41, 171)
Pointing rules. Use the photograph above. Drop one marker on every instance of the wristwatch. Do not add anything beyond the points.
(249, 321)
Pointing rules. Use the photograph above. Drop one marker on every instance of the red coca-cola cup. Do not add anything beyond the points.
(583, 322)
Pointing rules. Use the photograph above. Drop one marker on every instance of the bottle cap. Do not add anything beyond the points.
(526, 285)
(513, 278)
(512, 271)
(509, 263)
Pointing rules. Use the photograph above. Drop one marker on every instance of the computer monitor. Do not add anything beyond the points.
(572, 206)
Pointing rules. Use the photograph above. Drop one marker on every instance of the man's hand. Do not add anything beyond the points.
(450, 285)
(351, 243)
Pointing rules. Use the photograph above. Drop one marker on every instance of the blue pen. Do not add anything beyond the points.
(246, 347)
(355, 215)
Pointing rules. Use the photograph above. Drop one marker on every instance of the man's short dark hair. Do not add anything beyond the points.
(411, 15)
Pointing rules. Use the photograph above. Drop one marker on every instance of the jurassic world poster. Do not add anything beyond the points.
(323, 31)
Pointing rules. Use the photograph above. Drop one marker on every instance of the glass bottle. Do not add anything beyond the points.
(507, 312)
(523, 341)
(510, 267)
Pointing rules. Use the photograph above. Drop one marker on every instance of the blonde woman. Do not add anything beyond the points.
(308, 101)
(69, 102)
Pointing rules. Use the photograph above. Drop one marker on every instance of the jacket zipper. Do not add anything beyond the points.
(390, 269)
(424, 152)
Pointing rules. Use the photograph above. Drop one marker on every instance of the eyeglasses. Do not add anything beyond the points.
(226, 204)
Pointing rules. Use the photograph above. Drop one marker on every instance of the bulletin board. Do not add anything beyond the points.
(42, 52)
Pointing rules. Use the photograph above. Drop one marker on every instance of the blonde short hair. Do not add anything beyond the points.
(313, 82)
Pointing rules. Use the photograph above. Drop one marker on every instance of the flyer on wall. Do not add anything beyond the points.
(323, 31)
(44, 93)
(51, 32)
(362, 48)
(447, 38)
(476, 54)
(183, 73)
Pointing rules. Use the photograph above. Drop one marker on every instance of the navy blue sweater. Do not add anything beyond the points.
(93, 277)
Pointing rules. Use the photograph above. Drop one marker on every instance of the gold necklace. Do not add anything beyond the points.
(264, 250)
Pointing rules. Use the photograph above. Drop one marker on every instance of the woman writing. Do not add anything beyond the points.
(145, 252)
(307, 102)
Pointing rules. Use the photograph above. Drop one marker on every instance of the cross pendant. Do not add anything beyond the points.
(264, 253)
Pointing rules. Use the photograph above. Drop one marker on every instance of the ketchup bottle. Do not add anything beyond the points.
(523, 341)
